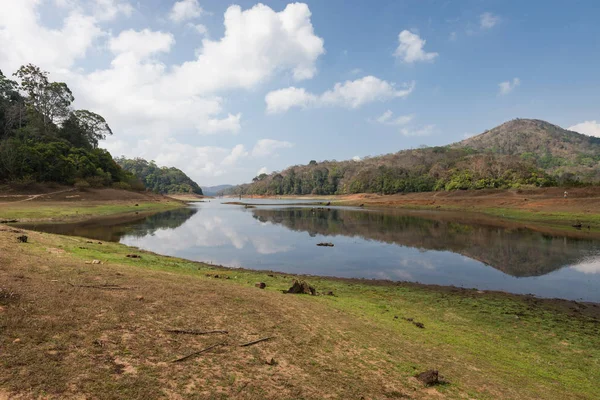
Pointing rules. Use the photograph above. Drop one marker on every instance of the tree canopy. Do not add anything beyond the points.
(42, 139)
(163, 180)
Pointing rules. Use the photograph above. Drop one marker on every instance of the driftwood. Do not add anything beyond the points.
(256, 341)
(198, 352)
(194, 332)
(105, 287)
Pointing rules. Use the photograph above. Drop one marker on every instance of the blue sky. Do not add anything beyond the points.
(281, 84)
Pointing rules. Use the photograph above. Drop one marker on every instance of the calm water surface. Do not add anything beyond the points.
(368, 244)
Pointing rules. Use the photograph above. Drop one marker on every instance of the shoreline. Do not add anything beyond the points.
(541, 206)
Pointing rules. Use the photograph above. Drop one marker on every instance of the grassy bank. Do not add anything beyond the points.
(554, 220)
(71, 212)
(71, 205)
(64, 333)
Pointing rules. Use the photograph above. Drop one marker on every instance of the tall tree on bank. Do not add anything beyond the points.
(51, 100)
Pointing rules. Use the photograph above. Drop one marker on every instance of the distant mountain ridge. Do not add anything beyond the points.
(214, 190)
(518, 152)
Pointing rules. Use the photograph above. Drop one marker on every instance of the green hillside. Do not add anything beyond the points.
(519, 152)
(165, 180)
(43, 139)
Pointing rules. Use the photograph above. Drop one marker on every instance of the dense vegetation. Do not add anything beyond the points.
(160, 180)
(520, 152)
(42, 139)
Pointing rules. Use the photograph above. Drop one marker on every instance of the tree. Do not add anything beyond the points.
(11, 106)
(52, 100)
(93, 125)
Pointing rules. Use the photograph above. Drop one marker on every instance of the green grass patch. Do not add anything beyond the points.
(74, 211)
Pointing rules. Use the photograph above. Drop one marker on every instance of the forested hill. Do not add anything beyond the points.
(163, 180)
(519, 152)
(43, 139)
(214, 190)
(553, 148)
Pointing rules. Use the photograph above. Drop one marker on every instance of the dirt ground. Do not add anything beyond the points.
(579, 200)
(44, 195)
(65, 334)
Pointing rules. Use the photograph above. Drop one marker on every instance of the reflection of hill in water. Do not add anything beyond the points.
(110, 230)
(517, 252)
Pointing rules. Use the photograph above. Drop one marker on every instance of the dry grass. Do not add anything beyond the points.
(59, 339)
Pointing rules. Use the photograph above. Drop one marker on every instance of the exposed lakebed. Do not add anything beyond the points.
(372, 244)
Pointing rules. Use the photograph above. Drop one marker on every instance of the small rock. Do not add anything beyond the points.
(419, 325)
(325, 244)
(271, 362)
(22, 239)
(2, 309)
(330, 293)
(96, 262)
(17, 340)
(139, 298)
(133, 256)
(429, 378)
(260, 285)
(137, 205)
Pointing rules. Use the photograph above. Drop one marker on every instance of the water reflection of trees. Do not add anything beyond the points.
(518, 252)
(111, 230)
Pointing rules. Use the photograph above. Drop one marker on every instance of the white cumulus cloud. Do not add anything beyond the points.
(107, 10)
(487, 20)
(350, 94)
(261, 171)
(237, 153)
(185, 10)
(410, 49)
(267, 147)
(283, 99)
(387, 118)
(423, 131)
(508, 86)
(55, 49)
(590, 128)
(141, 44)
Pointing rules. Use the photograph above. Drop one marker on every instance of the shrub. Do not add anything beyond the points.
(81, 184)
(96, 181)
(22, 183)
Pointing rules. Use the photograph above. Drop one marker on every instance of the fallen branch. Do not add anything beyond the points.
(256, 341)
(105, 287)
(198, 352)
(194, 332)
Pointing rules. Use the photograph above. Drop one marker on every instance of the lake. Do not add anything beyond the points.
(372, 244)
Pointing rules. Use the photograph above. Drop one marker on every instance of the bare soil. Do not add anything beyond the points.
(64, 194)
(579, 200)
